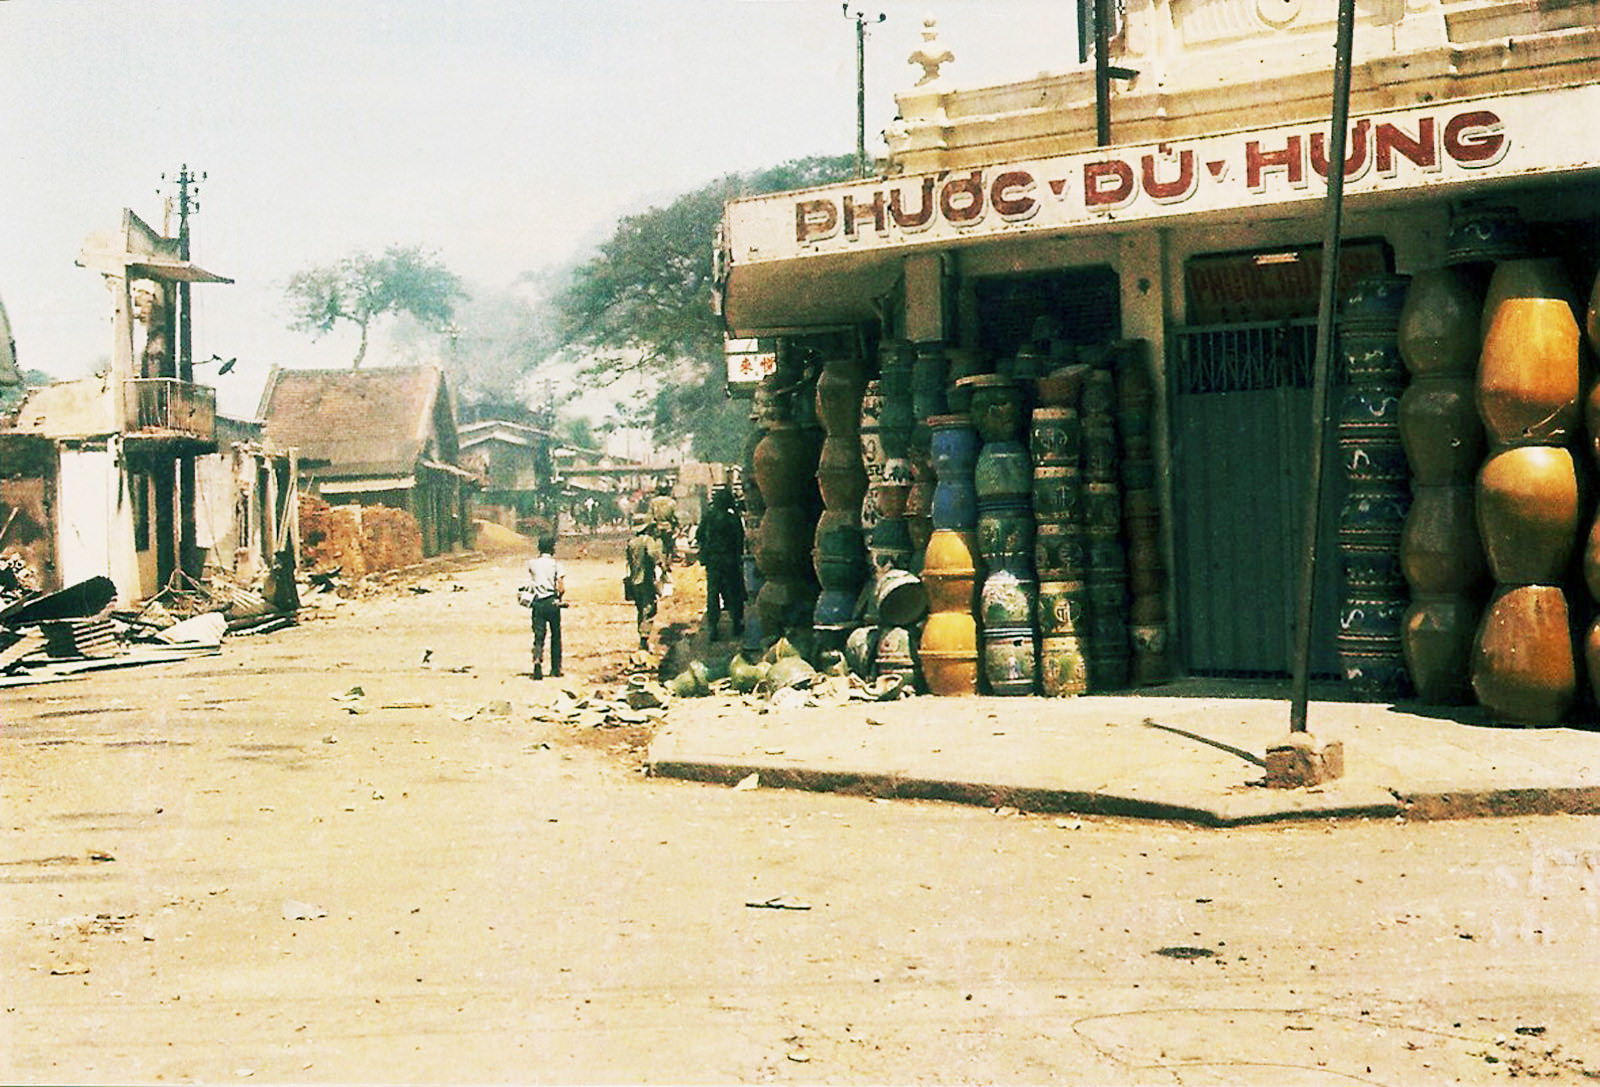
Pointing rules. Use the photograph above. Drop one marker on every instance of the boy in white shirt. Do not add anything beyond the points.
(549, 583)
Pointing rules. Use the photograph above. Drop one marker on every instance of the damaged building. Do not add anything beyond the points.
(129, 474)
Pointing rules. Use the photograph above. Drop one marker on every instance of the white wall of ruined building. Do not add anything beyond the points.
(94, 522)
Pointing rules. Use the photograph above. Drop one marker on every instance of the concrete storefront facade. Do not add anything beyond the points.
(1202, 219)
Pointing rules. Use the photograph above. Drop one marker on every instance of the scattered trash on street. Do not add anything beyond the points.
(779, 902)
(302, 911)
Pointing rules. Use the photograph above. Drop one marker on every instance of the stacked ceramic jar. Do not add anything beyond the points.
(1591, 552)
(888, 470)
(754, 506)
(1003, 481)
(1524, 668)
(1055, 440)
(1440, 552)
(785, 463)
(872, 460)
(948, 649)
(1378, 492)
(1107, 561)
(839, 552)
(927, 401)
(959, 362)
(953, 448)
(1141, 516)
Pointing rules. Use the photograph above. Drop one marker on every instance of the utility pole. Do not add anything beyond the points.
(861, 20)
(188, 204)
(188, 539)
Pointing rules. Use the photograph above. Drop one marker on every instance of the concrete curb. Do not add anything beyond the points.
(1173, 759)
(1258, 805)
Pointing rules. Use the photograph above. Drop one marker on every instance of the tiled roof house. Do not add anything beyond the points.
(384, 436)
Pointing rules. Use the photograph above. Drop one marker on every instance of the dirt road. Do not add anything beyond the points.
(233, 870)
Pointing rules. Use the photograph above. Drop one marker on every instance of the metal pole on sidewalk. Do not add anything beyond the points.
(1306, 605)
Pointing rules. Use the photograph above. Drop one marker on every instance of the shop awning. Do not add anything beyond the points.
(174, 271)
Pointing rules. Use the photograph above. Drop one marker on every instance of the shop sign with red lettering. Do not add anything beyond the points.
(1441, 144)
(749, 360)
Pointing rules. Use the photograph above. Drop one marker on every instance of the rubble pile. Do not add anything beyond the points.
(390, 538)
(47, 636)
(357, 540)
(330, 537)
(17, 579)
(781, 678)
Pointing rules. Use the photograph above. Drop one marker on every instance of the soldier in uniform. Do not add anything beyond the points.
(664, 520)
(720, 541)
(646, 568)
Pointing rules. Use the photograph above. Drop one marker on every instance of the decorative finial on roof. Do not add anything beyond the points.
(930, 54)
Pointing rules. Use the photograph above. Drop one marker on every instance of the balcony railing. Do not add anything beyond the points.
(167, 407)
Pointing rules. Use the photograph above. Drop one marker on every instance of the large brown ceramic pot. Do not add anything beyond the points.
(840, 387)
(1591, 560)
(783, 543)
(1439, 323)
(1591, 322)
(783, 465)
(840, 475)
(1524, 670)
(1591, 422)
(1439, 547)
(1528, 513)
(1437, 636)
(1591, 658)
(1528, 374)
(1440, 430)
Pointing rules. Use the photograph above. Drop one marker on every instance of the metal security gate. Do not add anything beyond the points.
(1241, 429)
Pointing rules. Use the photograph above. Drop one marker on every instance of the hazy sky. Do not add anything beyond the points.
(507, 135)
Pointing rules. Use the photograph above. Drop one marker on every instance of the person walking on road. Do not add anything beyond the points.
(646, 567)
(664, 516)
(548, 582)
(720, 542)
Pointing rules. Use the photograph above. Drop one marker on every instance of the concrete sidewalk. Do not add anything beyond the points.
(1192, 756)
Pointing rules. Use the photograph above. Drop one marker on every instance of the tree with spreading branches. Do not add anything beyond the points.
(361, 287)
(642, 304)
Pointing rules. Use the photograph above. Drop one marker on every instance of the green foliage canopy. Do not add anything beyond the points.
(361, 287)
(643, 304)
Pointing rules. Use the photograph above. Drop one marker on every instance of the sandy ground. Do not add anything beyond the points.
(232, 870)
